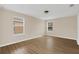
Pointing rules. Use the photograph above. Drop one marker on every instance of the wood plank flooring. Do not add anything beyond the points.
(42, 45)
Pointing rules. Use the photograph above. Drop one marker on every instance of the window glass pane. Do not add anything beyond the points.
(18, 29)
(18, 26)
(50, 26)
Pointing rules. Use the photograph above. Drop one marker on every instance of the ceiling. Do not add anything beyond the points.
(37, 10)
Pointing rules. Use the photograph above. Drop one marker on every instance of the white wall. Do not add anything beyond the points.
(78, 29)
(33, 28)
(0, 26)
(65, 27)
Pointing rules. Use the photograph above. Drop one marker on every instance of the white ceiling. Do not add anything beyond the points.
(37, 10)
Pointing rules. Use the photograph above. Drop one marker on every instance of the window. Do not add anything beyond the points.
(18, 25)
(50, 26)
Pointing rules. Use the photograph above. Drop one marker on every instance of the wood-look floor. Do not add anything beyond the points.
(43, 45)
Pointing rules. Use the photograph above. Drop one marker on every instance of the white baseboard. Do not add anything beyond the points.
(63, 37)
(5, 44)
